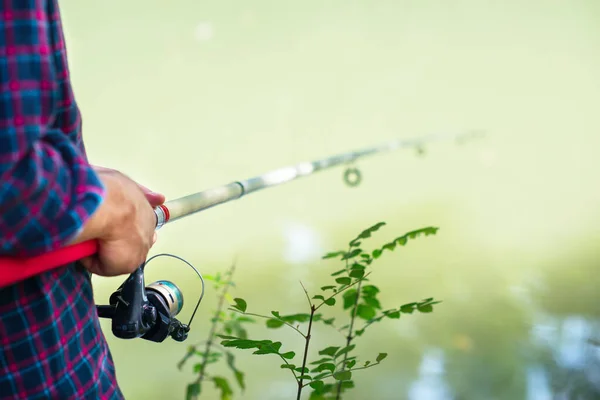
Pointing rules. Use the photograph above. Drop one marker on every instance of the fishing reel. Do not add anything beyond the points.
(148, 312)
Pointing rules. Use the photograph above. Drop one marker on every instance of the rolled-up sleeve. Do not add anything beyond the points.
(48, 190)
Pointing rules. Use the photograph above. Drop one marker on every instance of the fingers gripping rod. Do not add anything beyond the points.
(178, 208)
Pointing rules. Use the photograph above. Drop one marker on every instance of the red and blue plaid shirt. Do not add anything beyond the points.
(52, 346)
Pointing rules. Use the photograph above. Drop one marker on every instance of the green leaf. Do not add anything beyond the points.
(287, 366)
(349, 297)
(274, 323)
(350, 364)
(317, 385)
(330, 301)
(296, 318)
(357, 273)
(389, 246)
(305, 377)
(222, 384)
(365, 256)
(381, 356)
(408, 308)
(367, 232)
(329, 351)
(321, 375)
(367, 363)
(354, 244)
(244, 343)
(270, 348)
(352, 254)
(240, 304)
(327, 287)
(370, 290)
(318, 297)
(365, 312)
(359, 332)
(344, 281)
(414, 234)
(342, 375)
(227, 337)
(325, 366)
(302, 370)
(425, 309)
(193, 390)
(334, 254)
(345, 350)
(328, 321)
(372, 301)
(376, 253)
(393, 314)
(322, 360)
(289, 355)
(341, 271)
(239, 375)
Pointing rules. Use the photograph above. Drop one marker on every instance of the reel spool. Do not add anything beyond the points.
(148, 312)
(167, 294)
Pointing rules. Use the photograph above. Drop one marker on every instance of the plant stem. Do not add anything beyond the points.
(213, 328)
(307, 296)
(353, 369)
(306, 345)
(349, 337)
(341, 290)
(267, 317)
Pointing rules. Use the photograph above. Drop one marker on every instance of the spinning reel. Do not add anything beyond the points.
(148, 312)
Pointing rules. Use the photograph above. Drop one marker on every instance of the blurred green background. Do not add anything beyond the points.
(187, 95)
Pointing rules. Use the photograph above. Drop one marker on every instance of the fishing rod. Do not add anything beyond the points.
(149, 312)
(193, 203)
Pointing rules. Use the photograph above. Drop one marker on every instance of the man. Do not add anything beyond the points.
(52, 346)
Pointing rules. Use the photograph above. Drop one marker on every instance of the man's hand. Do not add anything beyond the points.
(155, 199)
(124, 225)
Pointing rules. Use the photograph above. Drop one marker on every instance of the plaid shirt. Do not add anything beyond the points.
(52, 343)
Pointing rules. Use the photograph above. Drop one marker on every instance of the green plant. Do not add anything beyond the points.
(221, 323)
(332, 373)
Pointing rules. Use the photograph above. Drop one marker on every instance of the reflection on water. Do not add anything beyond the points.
(565, 367)
(430, 384)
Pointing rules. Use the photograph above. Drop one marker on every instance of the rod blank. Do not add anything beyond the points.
(184, 206)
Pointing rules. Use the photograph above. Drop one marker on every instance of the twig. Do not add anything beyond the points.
(307, 296)
(350, 336)
(267, 317)
(353, 369)
(213, 328)
(341, 290)
(306, 345)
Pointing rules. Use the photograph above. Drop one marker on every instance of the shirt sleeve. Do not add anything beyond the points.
(47, 188)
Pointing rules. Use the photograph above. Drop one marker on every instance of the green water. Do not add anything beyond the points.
(188, 95)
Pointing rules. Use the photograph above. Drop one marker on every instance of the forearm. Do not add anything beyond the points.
(48, 191)
(47, 195)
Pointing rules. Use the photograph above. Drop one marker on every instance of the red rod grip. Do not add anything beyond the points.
(16, 269)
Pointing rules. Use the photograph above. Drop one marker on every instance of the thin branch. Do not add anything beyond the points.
(350, 336)
(306, 345)
(353, 369)
(341, 290)
(267, 317)
(213, 328)
(307, 296)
